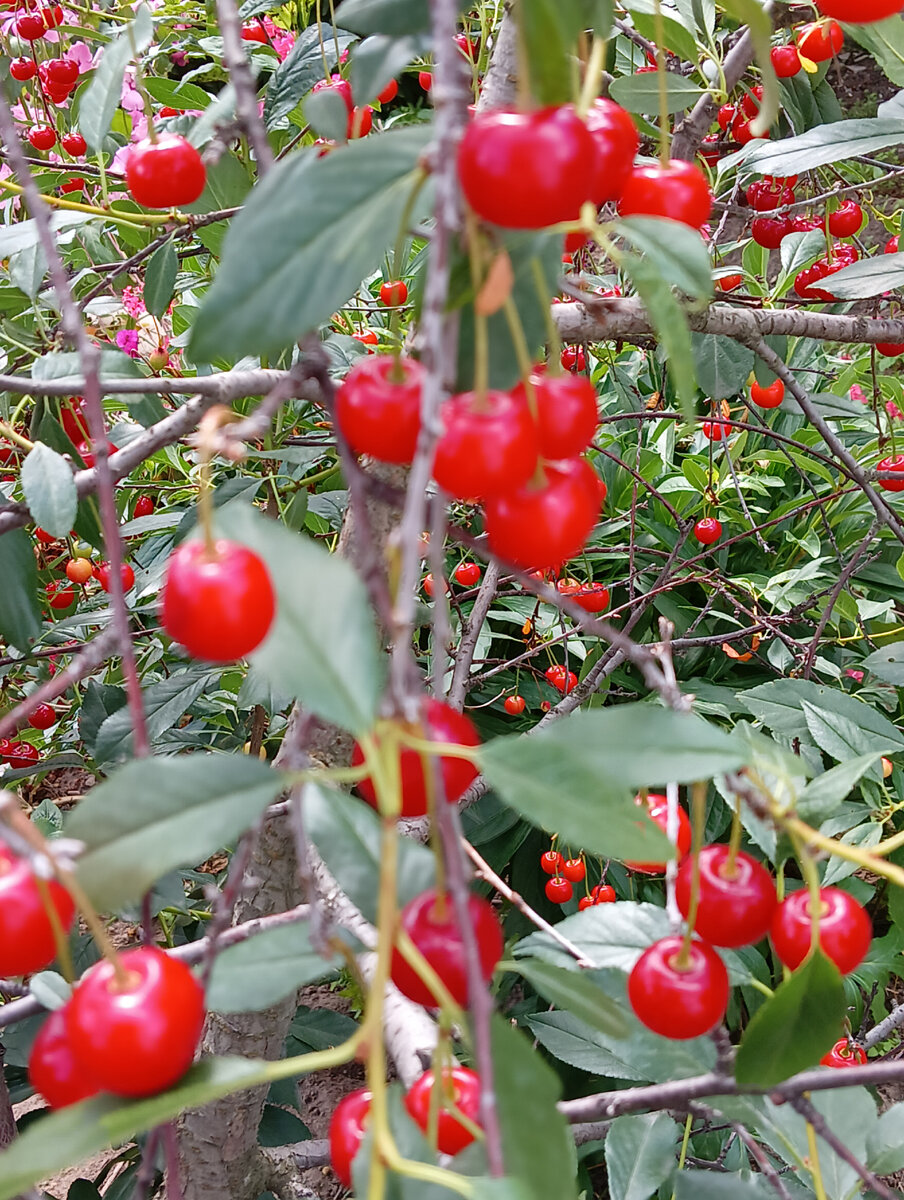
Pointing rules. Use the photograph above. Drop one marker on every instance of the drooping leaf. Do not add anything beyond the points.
(49, 487)
(164, 703)
(670, 323)
(821, 797)
(640, 93)
(101, 98)
(640, 1155)
(885, 1146)
(576, 993)
(675, 249)
(722, 365)
(838, 735)
(160, 279)
(20, 615)
(254, 974)
(779, 705)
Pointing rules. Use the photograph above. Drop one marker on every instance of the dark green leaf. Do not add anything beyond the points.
(887, 664)
(177, 93)
(254, 974)
(677, 251)
(100, 100)
(669, 321)
(779, 705)
(778, 343)
(547, 34)
(795, 1027)
(574, 991)
(640, 93)
(280, 1128)
(722, 364)
(98, 702)
(49, 488)
(301, 69)
(20, 615)
(640, 1155)
(839, 736)
(160, 280)
(885, 42)
(677, 39)
(164, 703)
(377, 60)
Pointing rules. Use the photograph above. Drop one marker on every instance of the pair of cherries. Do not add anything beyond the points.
(804, 283)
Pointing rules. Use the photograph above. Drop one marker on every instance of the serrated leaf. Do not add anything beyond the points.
(670, 323)
(302, 67)
(675, 249)
(640, 93)
(160, 279)
(261, 971)
(20, 615)
(824, 794)
(576, 993)
(840, 737)
(640, 1155)
(722, 365)
(164, 703)
(49, 488)
(100, 100)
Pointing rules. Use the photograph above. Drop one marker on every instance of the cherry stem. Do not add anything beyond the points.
(554, 366)
(698, 823)
(593, 74)
(734, 842)
(481, 333)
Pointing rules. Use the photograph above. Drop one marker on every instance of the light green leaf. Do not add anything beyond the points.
(640, 93)
(20, 615)
(164, 703)
(822, 797)
(670, 323)
(160, 279)
(100, 100)
(640, 1155)
(254, 974)
(722, 364)
(609, 935)
(675, 249)
(817, 147)
(885, 1145)
(49, 488)
(887, 663)
(840, 737)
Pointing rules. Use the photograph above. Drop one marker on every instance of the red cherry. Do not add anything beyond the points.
(73, 419)
(574, 869)
(550, 152)
(845, 930)
(166, 173)
(52, 1067)
(764, 195)
(551, 862)
(768, 396)
(52, 16)
(709, 149)
(893, 463)
(429, 586)
(138, 1037)
(546, 522)
(219, 605)
(891, 246)
(20, 755)
(770, 231)
(26, 935)
(734, 909)
(558, 891)
(708, 530)
(459, 1089)
(346, 1132)
(716, 430)
(79, 570)
(42, 137)
(785, 61)
(728, 283)
(72, 185)
(42, 717)
(467, 574)
(658, 812)
(726, 115)
(378, 407)
(469, 48)
(678, 1001)
(566, 413)
(616, 141)
(750, 104)
(360, 123)
(514, 705)
(890, 349)
(367, 337)
(678, 191)
(425, 79)
(592, 597)
(63, 71)
(59, 596)
(440, 724)
(144, 506)
(603, 893)
(584, 903)
(340, 86)
(74, 144)
(488, 446)
(389, 93)
(429, 920)
(563, 681)
(805, 224)
(255, 32)
(573, 358)
(167, 111)
(30, 27)
(859, 14)
(820, 40)
(22, 69)
(394, 293)
(45, 538)
(846, 220)
(844, 1054)
(104, 578)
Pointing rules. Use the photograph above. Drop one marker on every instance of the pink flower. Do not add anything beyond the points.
(80, 53)
(893, 411)
(133, 303)
(180, 58)
(857, 675)
(127, 340)
(130, 97)
(857, 393)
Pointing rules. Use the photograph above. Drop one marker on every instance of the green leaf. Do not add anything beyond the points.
(885, 42)
(536, 1141)
(640, 93)
(160, 280)
(101, 98)
(395, 17)
(822, 797)
(676, 38)
(640, 1155)
(546, 34)
(347, 835)
(500, 1189)
(164, 703)
(161, 813)
(327, 114)
(670, 324)
(838, 735)
(887, 664)
(795, 1027)
(377, 60)
(252, 975)
(177, 93)
(870, 277)
(675, 249)
(759, 26)
(722, 364)
(885, 1145)
(323, 646)
(707, 1185)
(304, 241)
(49, 488)
(779, 705)
(20, 614)
(606, 754)
(609, 935)
(817, 147)
(576, 993)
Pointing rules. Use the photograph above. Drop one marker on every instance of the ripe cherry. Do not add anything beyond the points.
(104, 577)
(845, 930)
(22, 69)
(769, 232)
(346, 1132)
(360, 123)
(488, 446)
(425, 79)
(139, 1036)
(459, 1089)
(893, 463)
(658, 812)
(550, 152)
(42, 717)
(166, 173)
(74, 144)
(547, 520)
(603, 893)
(846, 220)
(891, 246)
(59, 596)
(708, 530)
(26, 935)
(367, 337)
(558, 890)
(726, 115)
(857, 13)
(768, 395)
(79, 570)
(736, 905)
(584, 903)
(467, 574)
(574, 869)
(52, 16)
(728, 283)
(820, 41)
(675, 999)
(393, 293)
(765, 195)
(890, 349)
(750, 104)
(378, 407)
(20, 755)
(844, 1054)
(785, 61)
(563, 681)
(469, 48)
(515, 705)
(218, 603)
(254, 31)
(389, 93)
(30, 27)
(566, 413)
(616, 141)
(52, 1067)
(440, 724)
(429, 920)
(551, 861)
(144, 506)
(678, 191)
(716, 430)
(42, 137)
(340, 86)
(573, 358)
(592, 597)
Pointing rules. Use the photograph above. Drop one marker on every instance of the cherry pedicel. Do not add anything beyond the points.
(26, 935)
(549, 519)
(378, 407)
(657, 807)
(440, 723)
(429, 920)
(708, 530)
(218, 602)
(677, 191)
(736, 905)
(138, 1035)
(53, 1069)
(459, 1088)
(769, 396)
(566, 413)
(346, 1133)
(844, 1054)
(514, 705)
(165, 173)
(488, 446)
(845, 930)
(558, 890)
(104, 577)
(676, 999)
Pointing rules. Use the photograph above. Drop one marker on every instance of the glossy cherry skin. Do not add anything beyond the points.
(658, 812)
(542, 524)
(563, 681)
(52, 1067)
(42, 717)
(734, 910)
(820, 40)
(708, 530)
(380, 414)
(603, 893)
(616, 141)
(767, 195)
(890, 349)
(785, 61)
(768, 396)
(515, 705)
(846, 220)
(346, 1133)
(220, 607)
(390, 92)
(551, 862)
(678, 191)
(845, 930)
(573, 358)
(42, 137)
(574, 869)
(393, 293)
(566, 413)
(74, 144)
(22, 69)
(139, 1038)
(558, 890)
(843, 1055)
(459, 1088)
(855, 13)
(676, 1003)
(429, 920)
(104, 577)
(769, 232)
(726, 115)
(30, 27)
(165, 173)
(467, 574)
(73, 419)
(591, 597)
(716, 430)
(79, 570)
(144, 506)
(891, 246)
(488, 446)
(59, 596)
(893, 463)
(551, 154)
(20, 755)
(26, 935)
(440, 724)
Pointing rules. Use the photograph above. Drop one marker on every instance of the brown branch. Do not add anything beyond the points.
(816, 1119)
